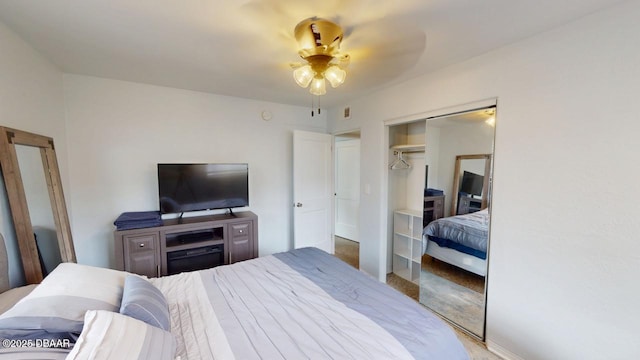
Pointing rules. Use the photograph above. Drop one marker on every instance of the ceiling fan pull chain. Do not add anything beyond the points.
(318, 105)
(311, 105)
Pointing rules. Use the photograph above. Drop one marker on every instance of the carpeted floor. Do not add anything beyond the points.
(457, 303)
(349, 251)
(453, 273)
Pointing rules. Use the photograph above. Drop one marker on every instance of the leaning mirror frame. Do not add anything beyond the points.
(456, 180)
(33, 272)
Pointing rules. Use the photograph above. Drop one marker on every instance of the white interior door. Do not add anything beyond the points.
(312, 174)
(347, 188)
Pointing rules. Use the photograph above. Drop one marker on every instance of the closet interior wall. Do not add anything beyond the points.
(406, 186)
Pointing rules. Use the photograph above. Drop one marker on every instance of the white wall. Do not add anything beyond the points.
(564, 253)
(415, 177)
(407, 184)
(31, 99)
(121, 130)
(432, 158)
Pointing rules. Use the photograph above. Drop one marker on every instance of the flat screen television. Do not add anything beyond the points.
(194, 187)
(471, 183)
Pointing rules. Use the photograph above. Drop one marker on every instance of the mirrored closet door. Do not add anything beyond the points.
(456, 217)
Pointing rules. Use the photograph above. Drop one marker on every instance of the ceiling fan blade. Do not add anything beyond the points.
(383, 48)
(281, 16)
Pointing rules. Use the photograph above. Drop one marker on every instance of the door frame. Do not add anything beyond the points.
(386, 218)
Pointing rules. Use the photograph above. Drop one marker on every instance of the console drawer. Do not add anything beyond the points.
(142, 242)
(240, 229)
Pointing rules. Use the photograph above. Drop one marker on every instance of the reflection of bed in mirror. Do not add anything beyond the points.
(459, 240)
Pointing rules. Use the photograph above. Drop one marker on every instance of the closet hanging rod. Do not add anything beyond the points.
(409, 148)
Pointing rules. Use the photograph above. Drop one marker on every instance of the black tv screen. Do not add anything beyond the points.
(472, 183)
(193, 187)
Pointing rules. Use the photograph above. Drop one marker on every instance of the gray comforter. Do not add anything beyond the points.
(470, 230)
(301, 304)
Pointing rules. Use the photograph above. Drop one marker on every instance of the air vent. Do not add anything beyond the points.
(347, 113)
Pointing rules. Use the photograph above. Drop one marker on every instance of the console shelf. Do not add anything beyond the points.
(144, 251)
(194, 245)
(186, 238)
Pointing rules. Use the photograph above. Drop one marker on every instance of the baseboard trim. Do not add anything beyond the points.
(502, 352)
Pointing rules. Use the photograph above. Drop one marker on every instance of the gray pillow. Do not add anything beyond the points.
(143, 301)
(55, 308)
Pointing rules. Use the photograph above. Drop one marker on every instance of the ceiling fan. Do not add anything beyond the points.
(319, 46)
(364, 37)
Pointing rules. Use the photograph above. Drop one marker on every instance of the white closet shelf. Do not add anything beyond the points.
(408, 148)
(407, 244)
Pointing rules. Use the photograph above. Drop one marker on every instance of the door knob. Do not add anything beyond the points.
(298, 204)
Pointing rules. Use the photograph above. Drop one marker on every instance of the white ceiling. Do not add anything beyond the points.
(244, 48)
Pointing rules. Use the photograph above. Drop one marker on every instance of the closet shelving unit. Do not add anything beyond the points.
(407, 244)
(407, 227)
(406, 175)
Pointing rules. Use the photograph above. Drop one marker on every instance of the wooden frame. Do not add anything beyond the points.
(18, 201)
(456, 180)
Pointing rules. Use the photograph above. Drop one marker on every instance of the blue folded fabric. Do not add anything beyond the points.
(138, 219)
(433, 192)
(138, 225)
(138, 216)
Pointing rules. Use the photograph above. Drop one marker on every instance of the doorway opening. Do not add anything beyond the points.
(347, 196)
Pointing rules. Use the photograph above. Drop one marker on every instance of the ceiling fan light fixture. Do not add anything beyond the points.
(491, 121)
(335, 75)
(319, 44)
(318, 86)
(303, 75)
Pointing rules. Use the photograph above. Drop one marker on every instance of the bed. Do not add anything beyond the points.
(459, 240)
(299, 304)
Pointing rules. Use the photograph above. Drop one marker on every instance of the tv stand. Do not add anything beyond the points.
(432, 209)
(230, 212)
(220, 239)
(467, 204)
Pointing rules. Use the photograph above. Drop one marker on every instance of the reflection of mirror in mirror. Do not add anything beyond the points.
(39, 204)
(455, 238)
(470, 188)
